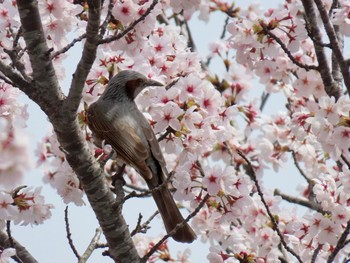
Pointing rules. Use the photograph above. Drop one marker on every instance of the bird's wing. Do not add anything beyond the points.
(120, 133)
(153, 143)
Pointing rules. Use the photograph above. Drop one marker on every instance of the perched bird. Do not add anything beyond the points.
(115, 118)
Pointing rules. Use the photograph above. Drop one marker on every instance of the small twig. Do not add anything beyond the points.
(69, 46)
(18, 35)
(91, 247)
(119, 175)
(191, 43)
(130, 27)
(172, 232)
(225, 28)
(6, 80)
(167, 87)
(345, 161)
(146, 192)
(149, 220)
(142, 228)
(69, 235)
(300, 170)
(272, 218)
(335, 4)
(331, 33)
(315, 254)
(104, 25)
(286, 50)
(298, 201)
(136, 188)
(311, 36)
(8, 231)
(137, 228)
(340, 244)
(264, 98)
(17, 64)
(164, 135)
(141, 195)
(331, 87)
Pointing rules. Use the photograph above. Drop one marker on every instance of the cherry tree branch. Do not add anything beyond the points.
(299, 168)
(286, 50)
(104, 25)
(45, 81)
(131, 26)
(87, 59)
(69, 234)
(331, 87)
(47, 94)
(178, 226)
(17, 64)
(335, 45)
(272, 218)
(21, 252)
(142, 228)
(340, 244)
(298, 201)
(69, 46)
(264, 97)
(91, 247)
(16, 79)
(315, 254)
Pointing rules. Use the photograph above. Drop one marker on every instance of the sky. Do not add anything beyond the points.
(48, 242)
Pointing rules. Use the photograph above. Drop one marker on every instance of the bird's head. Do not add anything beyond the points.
(129, 83)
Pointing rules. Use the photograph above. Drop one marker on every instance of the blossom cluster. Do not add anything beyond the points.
(21, 204)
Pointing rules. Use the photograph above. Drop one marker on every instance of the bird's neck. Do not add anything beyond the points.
(114, 95)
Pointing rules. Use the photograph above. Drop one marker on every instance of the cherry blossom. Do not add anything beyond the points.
(6, 254)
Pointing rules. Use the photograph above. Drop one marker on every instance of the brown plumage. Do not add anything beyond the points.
(115, 118)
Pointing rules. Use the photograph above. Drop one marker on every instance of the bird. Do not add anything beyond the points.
(115, 120)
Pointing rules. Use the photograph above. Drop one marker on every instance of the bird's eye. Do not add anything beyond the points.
(133, 87)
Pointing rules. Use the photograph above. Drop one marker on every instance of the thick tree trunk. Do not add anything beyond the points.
(45, 91)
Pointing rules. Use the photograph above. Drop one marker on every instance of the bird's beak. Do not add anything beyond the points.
(151, 82)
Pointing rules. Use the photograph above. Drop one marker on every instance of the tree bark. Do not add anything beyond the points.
(21, 252)
(61, 111)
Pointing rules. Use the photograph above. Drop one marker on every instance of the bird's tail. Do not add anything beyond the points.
(172, 216)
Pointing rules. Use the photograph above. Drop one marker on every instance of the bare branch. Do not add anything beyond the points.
(8, 231)
(223, 34)
(22, 253)
(340, 244)
(91, 247)
(160, 242)
(86, 60)
(308, 180)
(13, 78)
(298, 201)
(264, 97)
(315, 254)
(69, 46)
(141, 195)
(331, 87)
(69, 234)
(46, 90)
(286, 50)
(130, 27)
(17, 64)
(142, 228)
(104, 25)
(140, 189)
(335, 42)
(272, 218)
